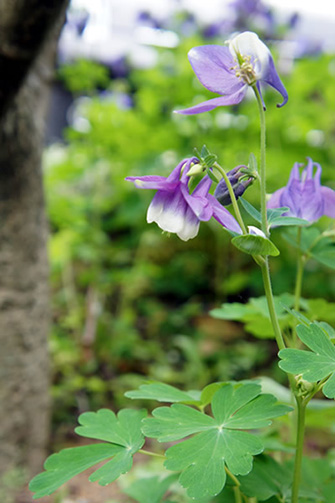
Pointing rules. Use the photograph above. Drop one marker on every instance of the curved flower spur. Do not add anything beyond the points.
(175, 209)
(229, 71)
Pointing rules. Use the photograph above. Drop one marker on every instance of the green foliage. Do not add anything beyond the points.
(255, 314)
(84, 76)
(150, 489)
(218, 440)
(124, 438)
(255, 245)
(314, 365)
(315, 244)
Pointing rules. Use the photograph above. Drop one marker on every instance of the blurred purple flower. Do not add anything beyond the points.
(229, 71)
(175, 210)
(304, 194)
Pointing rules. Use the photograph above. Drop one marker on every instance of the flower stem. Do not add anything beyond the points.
(269, 297)
(300, 273)
(148, 453)
(232, 197)
(262, 176)
(301, 408)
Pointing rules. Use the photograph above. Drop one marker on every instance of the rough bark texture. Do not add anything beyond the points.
(25, 69)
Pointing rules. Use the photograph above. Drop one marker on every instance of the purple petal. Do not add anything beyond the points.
(213, 65)
(152, 182)
(223, 216)
(186, 167)
(198, 203)
(272, 78)
(275, 199)
(174, 176)
(328, 201)
(206, 106)
(168, 210)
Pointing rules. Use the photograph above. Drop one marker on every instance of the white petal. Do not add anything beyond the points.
(248, 44)
(256, 231)
(189, 231)
(154, 211)
(170, 221)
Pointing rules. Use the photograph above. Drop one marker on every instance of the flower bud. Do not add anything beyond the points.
(239, 182)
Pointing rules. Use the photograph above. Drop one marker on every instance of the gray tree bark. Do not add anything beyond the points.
(28, 34)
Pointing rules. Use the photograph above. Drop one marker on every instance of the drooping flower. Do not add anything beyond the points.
(239, 182)
(175, 209)
(229, 71)
(304, 194)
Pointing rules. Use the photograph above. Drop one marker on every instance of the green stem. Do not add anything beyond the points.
(262, 174)
(148, 453)
(269, 297)
(237, 494)
(232, 197)
(301, 407)
(300, 273)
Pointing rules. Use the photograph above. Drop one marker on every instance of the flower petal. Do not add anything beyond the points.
(272, 78)
(168, 210)
(328, 201)
(223, 216)
(213, 65)
(152, 182)
(275, 199)
(206, 106)
(191, 226)
(248, 44)
(197, 201)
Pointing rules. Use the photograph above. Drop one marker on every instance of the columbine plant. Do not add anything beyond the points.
(217, 433)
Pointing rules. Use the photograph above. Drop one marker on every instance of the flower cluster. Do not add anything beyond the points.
(304, 194)
(229, 71)
(175, 209)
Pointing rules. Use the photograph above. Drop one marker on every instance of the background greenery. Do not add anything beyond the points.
(131, 303)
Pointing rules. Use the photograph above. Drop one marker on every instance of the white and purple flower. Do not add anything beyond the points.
(229, 71)
(304, 194)
(175, 210)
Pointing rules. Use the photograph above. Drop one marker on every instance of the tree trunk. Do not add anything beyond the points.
(24, 312)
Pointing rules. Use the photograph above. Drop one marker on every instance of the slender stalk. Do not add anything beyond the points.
(271, 306)
(232, 197)
(237, 494)
(300, 273)
(301, 408)
(262, 177)
(148, 453)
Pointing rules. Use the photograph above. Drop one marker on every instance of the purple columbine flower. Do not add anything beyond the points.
(175, 210)
(229, 71)
(304, 194)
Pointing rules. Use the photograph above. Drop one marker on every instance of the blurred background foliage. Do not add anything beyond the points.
(130, 303)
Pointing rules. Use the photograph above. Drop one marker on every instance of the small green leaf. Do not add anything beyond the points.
(267, 478)
(252, 162)
(162, 393)
(217, 440)
(123, 429)
(286, 221)
(124, 436)
(324, 252)
(249, 208)
(212, 176)
(204, 151)
(316, 364)
(255, 245)
(64, 465)
(150, 489)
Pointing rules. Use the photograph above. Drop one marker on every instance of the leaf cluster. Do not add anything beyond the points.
(215, 444)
